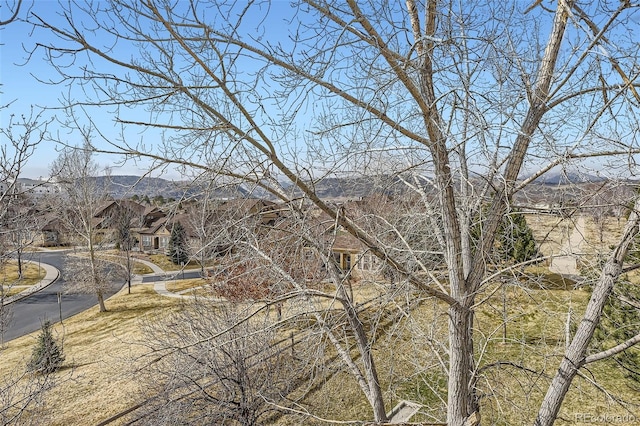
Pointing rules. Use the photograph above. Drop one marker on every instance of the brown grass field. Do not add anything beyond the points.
(11, 284)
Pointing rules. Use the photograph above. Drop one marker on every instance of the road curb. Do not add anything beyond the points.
(51, 275)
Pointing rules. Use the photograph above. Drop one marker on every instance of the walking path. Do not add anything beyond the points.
(51, 274)
(567, 262)
(160, 287)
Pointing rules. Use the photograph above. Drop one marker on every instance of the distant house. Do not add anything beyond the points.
(52, 233)
(46, 229)
(352, 256)
(109, 214)
(265, 212)
(225, 218)
(151, 215)
(349, 253)
(38, 188)
(155, 231)
(154, 235)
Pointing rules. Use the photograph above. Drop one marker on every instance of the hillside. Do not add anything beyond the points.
(555, 189)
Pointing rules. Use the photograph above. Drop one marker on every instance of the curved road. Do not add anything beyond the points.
(49, 303)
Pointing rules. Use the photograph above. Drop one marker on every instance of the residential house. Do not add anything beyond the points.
(43, 229)
(112, 211)
(154, 237)
(265, 212)
(52, 232)
(209, 233)
(152, 234)
(349, 253)
(116, 218)
(38, 188)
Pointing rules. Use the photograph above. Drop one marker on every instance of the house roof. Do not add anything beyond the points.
(154, 226)
(128, 204)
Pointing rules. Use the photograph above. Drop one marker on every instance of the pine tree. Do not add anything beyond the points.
(47, 355)
(517, 241)
(620, 322)
(177, 250)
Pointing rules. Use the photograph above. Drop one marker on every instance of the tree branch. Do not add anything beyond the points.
(613, 351)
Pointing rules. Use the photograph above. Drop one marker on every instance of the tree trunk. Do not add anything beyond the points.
(462, 401)
(103, 308)
(575, 354)
(19, 265)
(375, 392)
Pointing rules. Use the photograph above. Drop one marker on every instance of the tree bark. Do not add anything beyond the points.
(103, 308)
(375, 391)
(461, 397)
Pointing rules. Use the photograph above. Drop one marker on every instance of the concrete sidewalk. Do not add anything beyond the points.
(160, 287)
(50, 275)
(566, 262)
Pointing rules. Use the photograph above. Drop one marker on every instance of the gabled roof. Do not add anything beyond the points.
(153, 211)
(154, 226)
(126, 204)
(244, 207)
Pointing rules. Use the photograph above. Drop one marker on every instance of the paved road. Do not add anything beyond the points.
(29, 313)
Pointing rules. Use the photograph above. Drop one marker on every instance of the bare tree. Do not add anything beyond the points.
(76, 172)
(17, 230)
(289, 259)
(124, 219)
(21, 394)
(22, 398)
(14, 11)
(6, 314)
(203, 217)
(455, 96)
(237, 372)
(20, 139)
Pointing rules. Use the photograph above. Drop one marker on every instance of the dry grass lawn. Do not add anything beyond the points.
(99, 347)
(529, 335)
(11, 284)
(166, 264)
(184, 285)
(550, 231)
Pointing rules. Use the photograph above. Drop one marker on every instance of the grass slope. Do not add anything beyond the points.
(518, 350)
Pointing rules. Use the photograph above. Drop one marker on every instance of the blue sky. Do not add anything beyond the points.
(23, 87)
(23, 77)
(21, 90)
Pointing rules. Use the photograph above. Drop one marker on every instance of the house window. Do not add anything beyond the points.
(365, 262)
(346, 260)
(309, 254)
(50, 237)
(146, 240)
(337, 259)
(164, 242)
